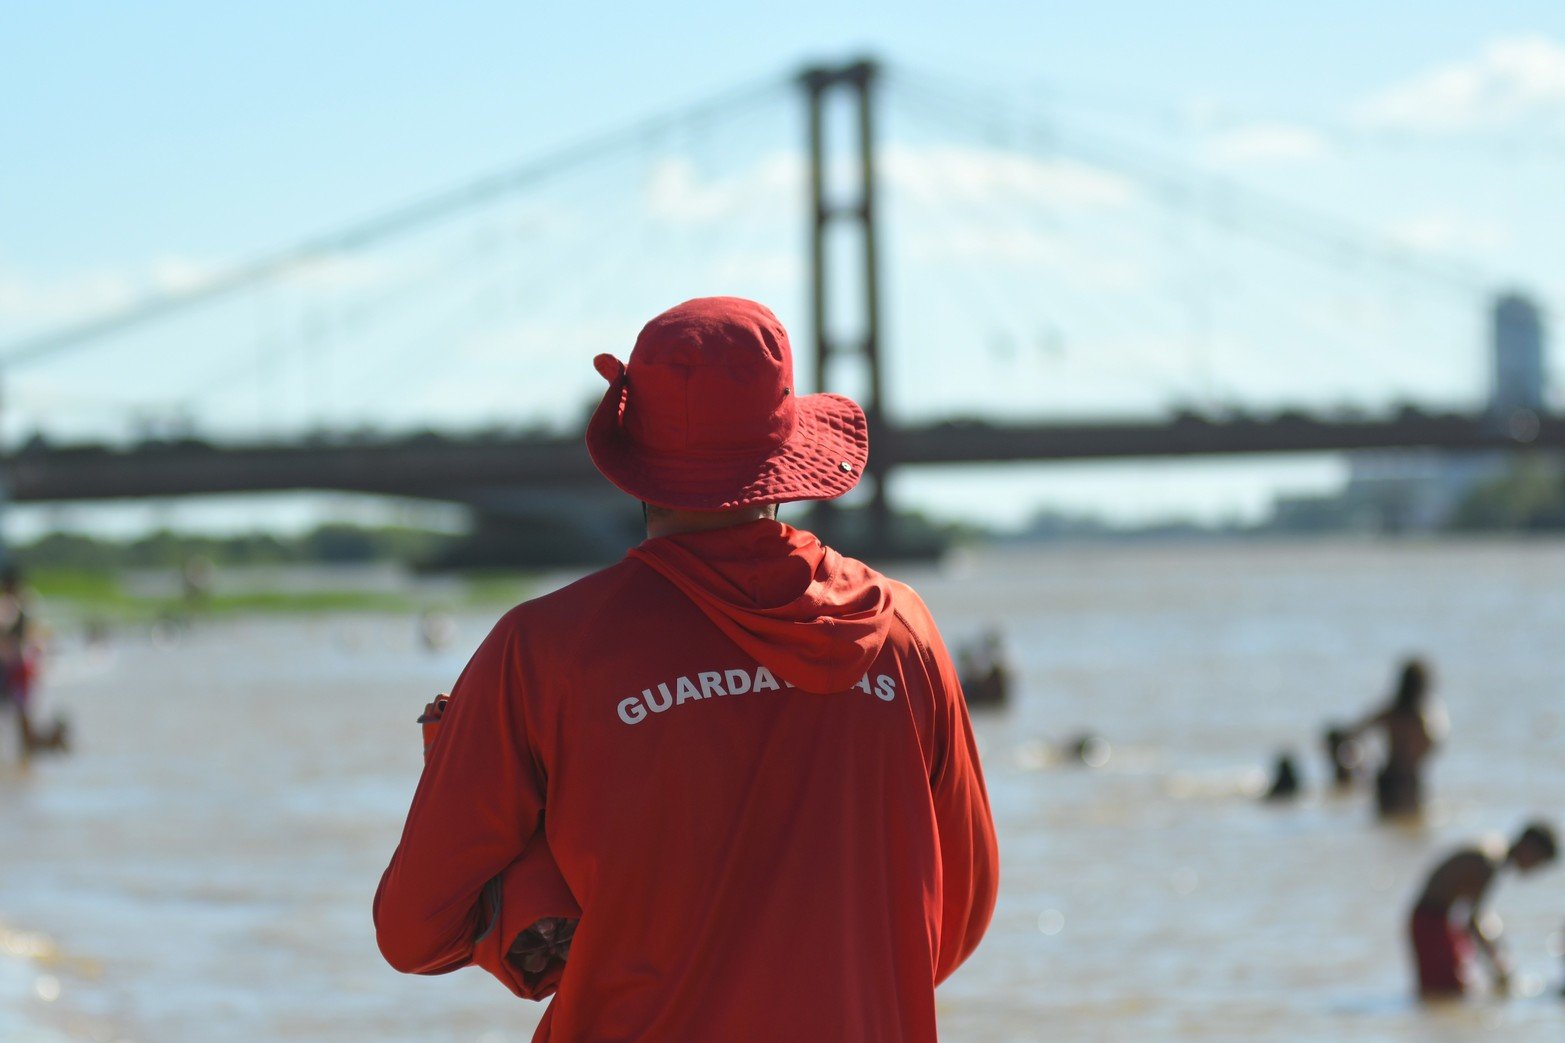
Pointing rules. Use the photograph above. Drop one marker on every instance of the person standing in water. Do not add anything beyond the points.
(1448, 921)
(724, 789)
(16, 657)
(1412, 724)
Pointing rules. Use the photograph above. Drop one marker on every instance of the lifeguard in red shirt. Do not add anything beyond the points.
(725, 789)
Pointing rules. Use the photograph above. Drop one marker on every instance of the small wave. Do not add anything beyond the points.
(31, 969)
(1248, 783)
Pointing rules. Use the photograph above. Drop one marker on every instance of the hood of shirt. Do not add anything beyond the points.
(814, 618)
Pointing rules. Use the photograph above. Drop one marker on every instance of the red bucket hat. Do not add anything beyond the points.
(704, 416)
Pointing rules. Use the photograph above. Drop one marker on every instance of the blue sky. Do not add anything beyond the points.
(155, 144)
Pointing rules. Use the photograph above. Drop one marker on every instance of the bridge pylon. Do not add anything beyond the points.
(857, 215)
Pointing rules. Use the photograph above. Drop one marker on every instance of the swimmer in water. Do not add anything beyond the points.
(1285, 780)
(1344, 755)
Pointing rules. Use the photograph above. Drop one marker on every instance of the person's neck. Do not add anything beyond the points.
(671, 523)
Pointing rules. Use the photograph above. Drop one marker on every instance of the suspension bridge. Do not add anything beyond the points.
(992, 285)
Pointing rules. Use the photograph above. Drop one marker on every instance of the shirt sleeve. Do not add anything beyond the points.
(478, 804)
(969, 851)
(530, 889)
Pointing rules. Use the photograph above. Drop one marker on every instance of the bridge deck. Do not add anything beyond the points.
(452, 468)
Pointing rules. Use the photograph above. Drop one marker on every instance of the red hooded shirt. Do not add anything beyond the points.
(744, 761)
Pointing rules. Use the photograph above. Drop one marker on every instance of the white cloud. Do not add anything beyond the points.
(25, 301)
(341, 271)
(1017, 245)
(1077, 263)
(1510, 81)
(676, 192)
(961, 174)
(551, 339)
(999, 207)
(174, 275)
(1450, 234)
(759, 267)
(1019, 249)
(32, 303)
(1267, 143)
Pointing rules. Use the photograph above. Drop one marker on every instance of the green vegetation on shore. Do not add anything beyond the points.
(168, 575)
(1528, 497)
(326, 544)
(104, 594)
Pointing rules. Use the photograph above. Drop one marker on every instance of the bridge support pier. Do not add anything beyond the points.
(858, 214)
(539, 528)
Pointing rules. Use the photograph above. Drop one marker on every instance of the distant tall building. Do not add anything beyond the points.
(1421, 489)
(1519, 380)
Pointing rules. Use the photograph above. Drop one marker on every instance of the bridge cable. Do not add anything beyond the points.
(1314, 227)
(1131, 317)
(1232, 279)
(944, 219)
(958, 115)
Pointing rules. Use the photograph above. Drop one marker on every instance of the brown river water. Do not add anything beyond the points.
(201, 867)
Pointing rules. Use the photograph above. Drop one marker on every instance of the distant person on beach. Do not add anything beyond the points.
(727, 788)
(1448, 921)
(20, 653)
(195, 582)
(1412, 724)
(16, 656)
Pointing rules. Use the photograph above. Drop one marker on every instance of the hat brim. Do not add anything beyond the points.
(821, 460)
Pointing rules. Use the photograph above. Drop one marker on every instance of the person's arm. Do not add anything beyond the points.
(478, 804)
(531, 910)
(534, 920)
(1462, 883)
(969, 852)
(1437, 723)
(1485, 929)
(1358, 728)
